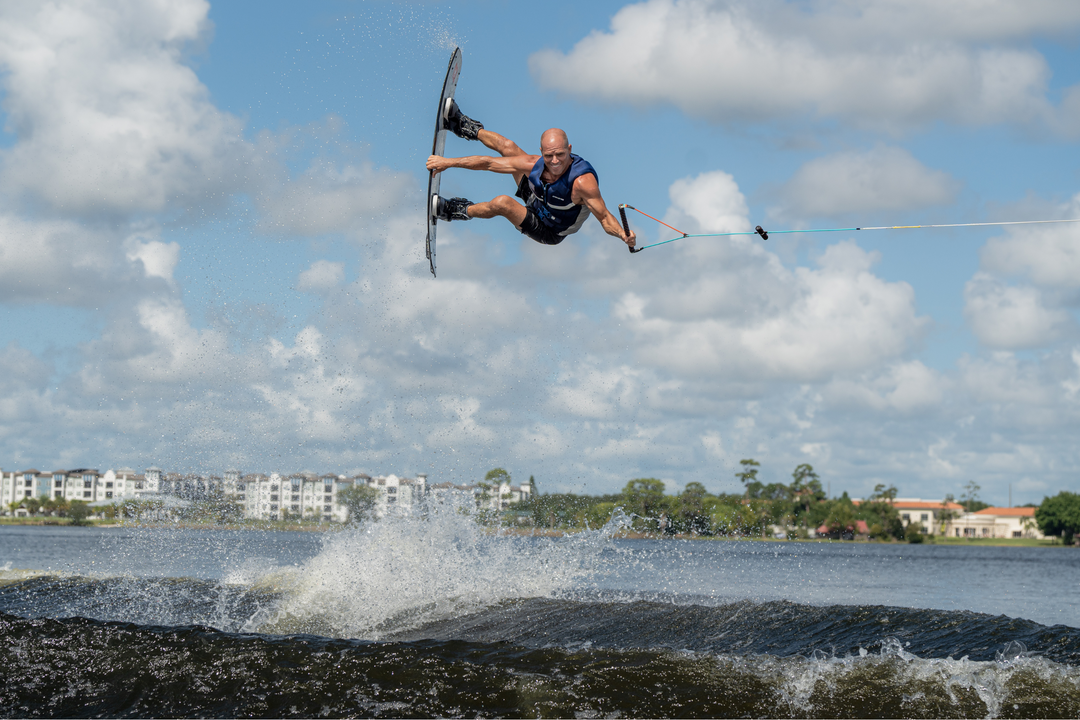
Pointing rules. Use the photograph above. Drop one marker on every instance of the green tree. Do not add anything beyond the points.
(970, 498)
(78, 512)
(358, 499)
(748, 476)
(644, 497)
(946, 515)
(806, 490)
(841, 520)
(691, 510)
(733, 518)
(1059, 516)
(878, 511)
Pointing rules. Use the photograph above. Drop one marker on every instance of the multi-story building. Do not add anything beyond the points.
(258, 496)
(395, 494)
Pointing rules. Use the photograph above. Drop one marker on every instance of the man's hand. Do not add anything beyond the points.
(631, 240)
(437, 163)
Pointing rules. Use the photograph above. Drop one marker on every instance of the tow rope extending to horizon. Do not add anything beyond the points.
(758, 230)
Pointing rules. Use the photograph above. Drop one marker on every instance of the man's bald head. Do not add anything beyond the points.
(554, 138)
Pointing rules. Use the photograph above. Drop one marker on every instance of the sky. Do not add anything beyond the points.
(212, 229)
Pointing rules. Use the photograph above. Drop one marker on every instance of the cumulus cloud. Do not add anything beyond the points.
(1011, 317)
(322, 275)
(904, 386)
(1048, 255)
(743, 314)
(329, 198)
(868, 65)
(883, 178)
(106, 117)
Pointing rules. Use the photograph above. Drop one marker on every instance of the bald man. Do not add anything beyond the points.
(559, 189)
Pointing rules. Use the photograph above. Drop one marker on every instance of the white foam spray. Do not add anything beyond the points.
(406, 570)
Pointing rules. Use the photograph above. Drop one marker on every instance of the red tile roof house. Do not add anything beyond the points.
(997, 522)
(924, 515)
(860, 530)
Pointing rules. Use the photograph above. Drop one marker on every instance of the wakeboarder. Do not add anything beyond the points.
(559, 189)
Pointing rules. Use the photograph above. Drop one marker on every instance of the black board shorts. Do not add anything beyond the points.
(532, 226)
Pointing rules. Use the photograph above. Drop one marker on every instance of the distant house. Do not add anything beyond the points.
(927, 516)
(997, 522)
(859, 529)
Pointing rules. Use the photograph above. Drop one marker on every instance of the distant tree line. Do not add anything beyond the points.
(794, 508)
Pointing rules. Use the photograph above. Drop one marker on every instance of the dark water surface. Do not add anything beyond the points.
(437, 618)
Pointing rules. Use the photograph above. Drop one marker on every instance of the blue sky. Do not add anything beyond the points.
(211, 234)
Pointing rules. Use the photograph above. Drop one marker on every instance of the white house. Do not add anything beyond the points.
(997, 522)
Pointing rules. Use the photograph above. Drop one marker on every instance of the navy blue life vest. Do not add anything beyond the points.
(552, 202)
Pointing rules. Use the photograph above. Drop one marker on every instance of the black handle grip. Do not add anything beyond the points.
(764, 235)
(626, 228)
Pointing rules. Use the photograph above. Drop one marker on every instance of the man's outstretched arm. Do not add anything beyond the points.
(503, 165)
(587, 192)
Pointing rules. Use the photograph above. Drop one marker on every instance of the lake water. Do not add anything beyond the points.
(412, 617)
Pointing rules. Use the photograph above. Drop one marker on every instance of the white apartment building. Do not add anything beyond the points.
(258, 496)
(491, 498)
(396, 494)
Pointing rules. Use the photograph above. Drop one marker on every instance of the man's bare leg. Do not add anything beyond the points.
(502, 206)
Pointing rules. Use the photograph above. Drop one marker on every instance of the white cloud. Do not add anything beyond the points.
(158, 259)
(1047, 254)
(884, 178)
(106, 118)
(1011, 317)
(868, 65)
(328, 198)
(904, 386)
(322, 275)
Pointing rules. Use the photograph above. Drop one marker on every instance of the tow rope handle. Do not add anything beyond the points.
(626, 227)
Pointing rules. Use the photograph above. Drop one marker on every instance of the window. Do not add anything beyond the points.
(273, 498)
(108, 485)
(108, 495)
(295, 508)
(328, 498)
(273, 508)
(29, 493)
(327, 508)
(140, 485)
(86, 483)
(295, 498)
(58, 483)
(1017, 533)
(391, 490)
(296, 487)
(906, 517)
(924, 517)
(86, 493)
(240, 498)
(240, 487)
(57, 494)
(391, 499)
(328, 488)
(29, 482)
(273, 488)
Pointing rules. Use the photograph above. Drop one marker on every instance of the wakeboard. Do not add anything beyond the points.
(449, 85)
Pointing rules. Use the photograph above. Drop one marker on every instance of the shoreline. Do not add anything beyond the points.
(528, 532)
